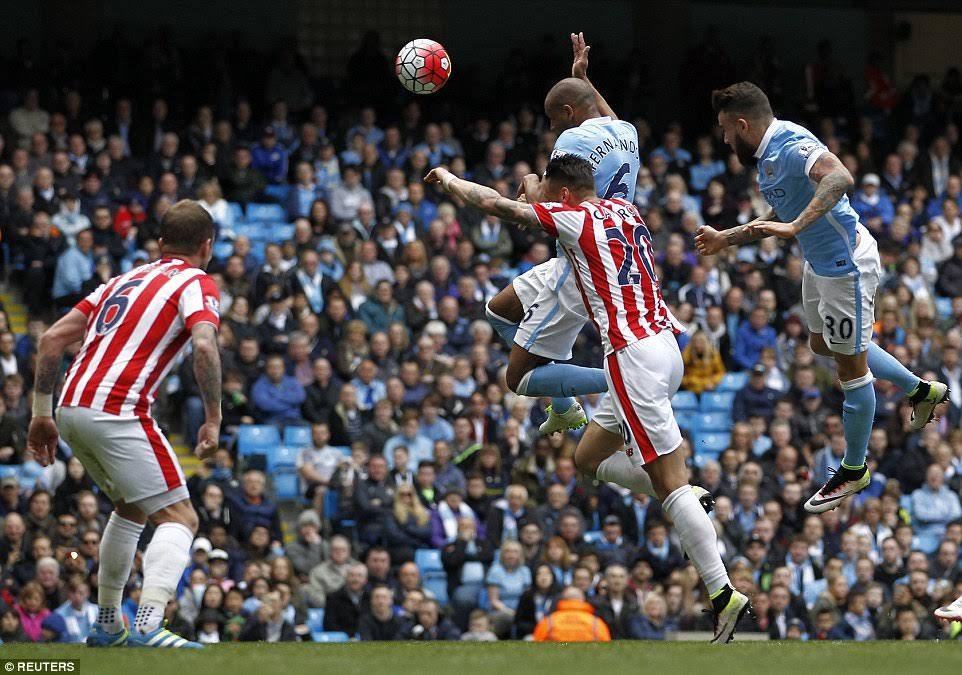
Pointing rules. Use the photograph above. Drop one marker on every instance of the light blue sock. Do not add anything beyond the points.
(887, 367)
(503, 327)
(563, 380)
(858, 414)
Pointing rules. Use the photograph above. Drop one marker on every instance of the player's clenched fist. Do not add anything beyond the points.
(42, 439)
(207, 438)
(708, 240)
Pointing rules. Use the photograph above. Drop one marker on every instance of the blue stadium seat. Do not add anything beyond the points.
(266, 212)
(711, 444)
(685, 419)
(286, 488)
(684, 400)
(428, 560)
(236, 211)
(281, 232)
(257, 250)
(944, 307)
(256, 439)
(714, 421)
(330, 636)
(315, 619)
(717, 401)
(278, 192)
(281, 457)
(297, 437)
(733, 382)
(254, 231)
(437, 583)
(223, 250)
(484, 602)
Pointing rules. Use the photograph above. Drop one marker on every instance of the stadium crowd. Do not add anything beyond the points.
(420, 501)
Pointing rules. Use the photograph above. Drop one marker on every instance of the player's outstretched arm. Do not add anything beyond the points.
(710, 241)
(579, 69)
(833, 180)
(487, 199)
(207, 371)
(42, 436)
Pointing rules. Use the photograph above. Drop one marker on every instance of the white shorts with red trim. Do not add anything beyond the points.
(642, 378)
(554, 312)
(128, 457)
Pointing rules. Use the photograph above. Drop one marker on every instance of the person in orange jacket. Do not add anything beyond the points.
(573, 620)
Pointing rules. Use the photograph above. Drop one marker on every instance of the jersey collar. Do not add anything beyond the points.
(766, 139)
(597, 120)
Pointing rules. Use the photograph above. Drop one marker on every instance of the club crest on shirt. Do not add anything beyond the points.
(213, 304)
(807, 149)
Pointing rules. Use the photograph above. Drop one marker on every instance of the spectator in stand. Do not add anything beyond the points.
(756, 399)
(432, 624)
(933, 507)
(253, 509)
(277, 397)
(873, 207)
(328, 576)
(703, 365)
(344, 607)
(374, 502)
(379, 622)
(269, 157)
(754, 335)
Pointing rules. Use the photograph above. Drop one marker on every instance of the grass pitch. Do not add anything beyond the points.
(507, 658)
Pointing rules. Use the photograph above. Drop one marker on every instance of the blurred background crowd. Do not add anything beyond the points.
(377, 479)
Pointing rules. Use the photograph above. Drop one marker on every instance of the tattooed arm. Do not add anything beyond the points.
(487, 199)
(833, 179)
(207, 372)
(43, 435)
(710, 241)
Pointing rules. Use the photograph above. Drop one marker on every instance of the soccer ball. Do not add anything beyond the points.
(423, 66)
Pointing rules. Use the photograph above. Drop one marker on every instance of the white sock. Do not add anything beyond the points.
(697, 536)
(117, 549)
(618, 469)
(166, 558)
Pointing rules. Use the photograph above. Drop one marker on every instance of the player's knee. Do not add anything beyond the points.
(585, 461)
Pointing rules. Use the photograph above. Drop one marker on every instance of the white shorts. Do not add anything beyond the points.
(554, 311)
(128, 457)
(642, 378)
(842, 309)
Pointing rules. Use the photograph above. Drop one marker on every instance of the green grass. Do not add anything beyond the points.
(746, 658)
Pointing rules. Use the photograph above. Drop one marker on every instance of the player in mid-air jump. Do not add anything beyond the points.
(132, 329)
(545, 300)
(806, 186)
(611, 259)
(540, 314)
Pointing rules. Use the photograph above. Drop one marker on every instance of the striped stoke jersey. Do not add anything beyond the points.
(610, 250)
(137, 324)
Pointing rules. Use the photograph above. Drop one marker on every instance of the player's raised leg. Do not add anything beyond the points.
(548, 332)
(925, 396)
(643, 377)
(600, 454)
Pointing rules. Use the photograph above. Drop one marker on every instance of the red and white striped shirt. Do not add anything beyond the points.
(610, 251)
(137, 324)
